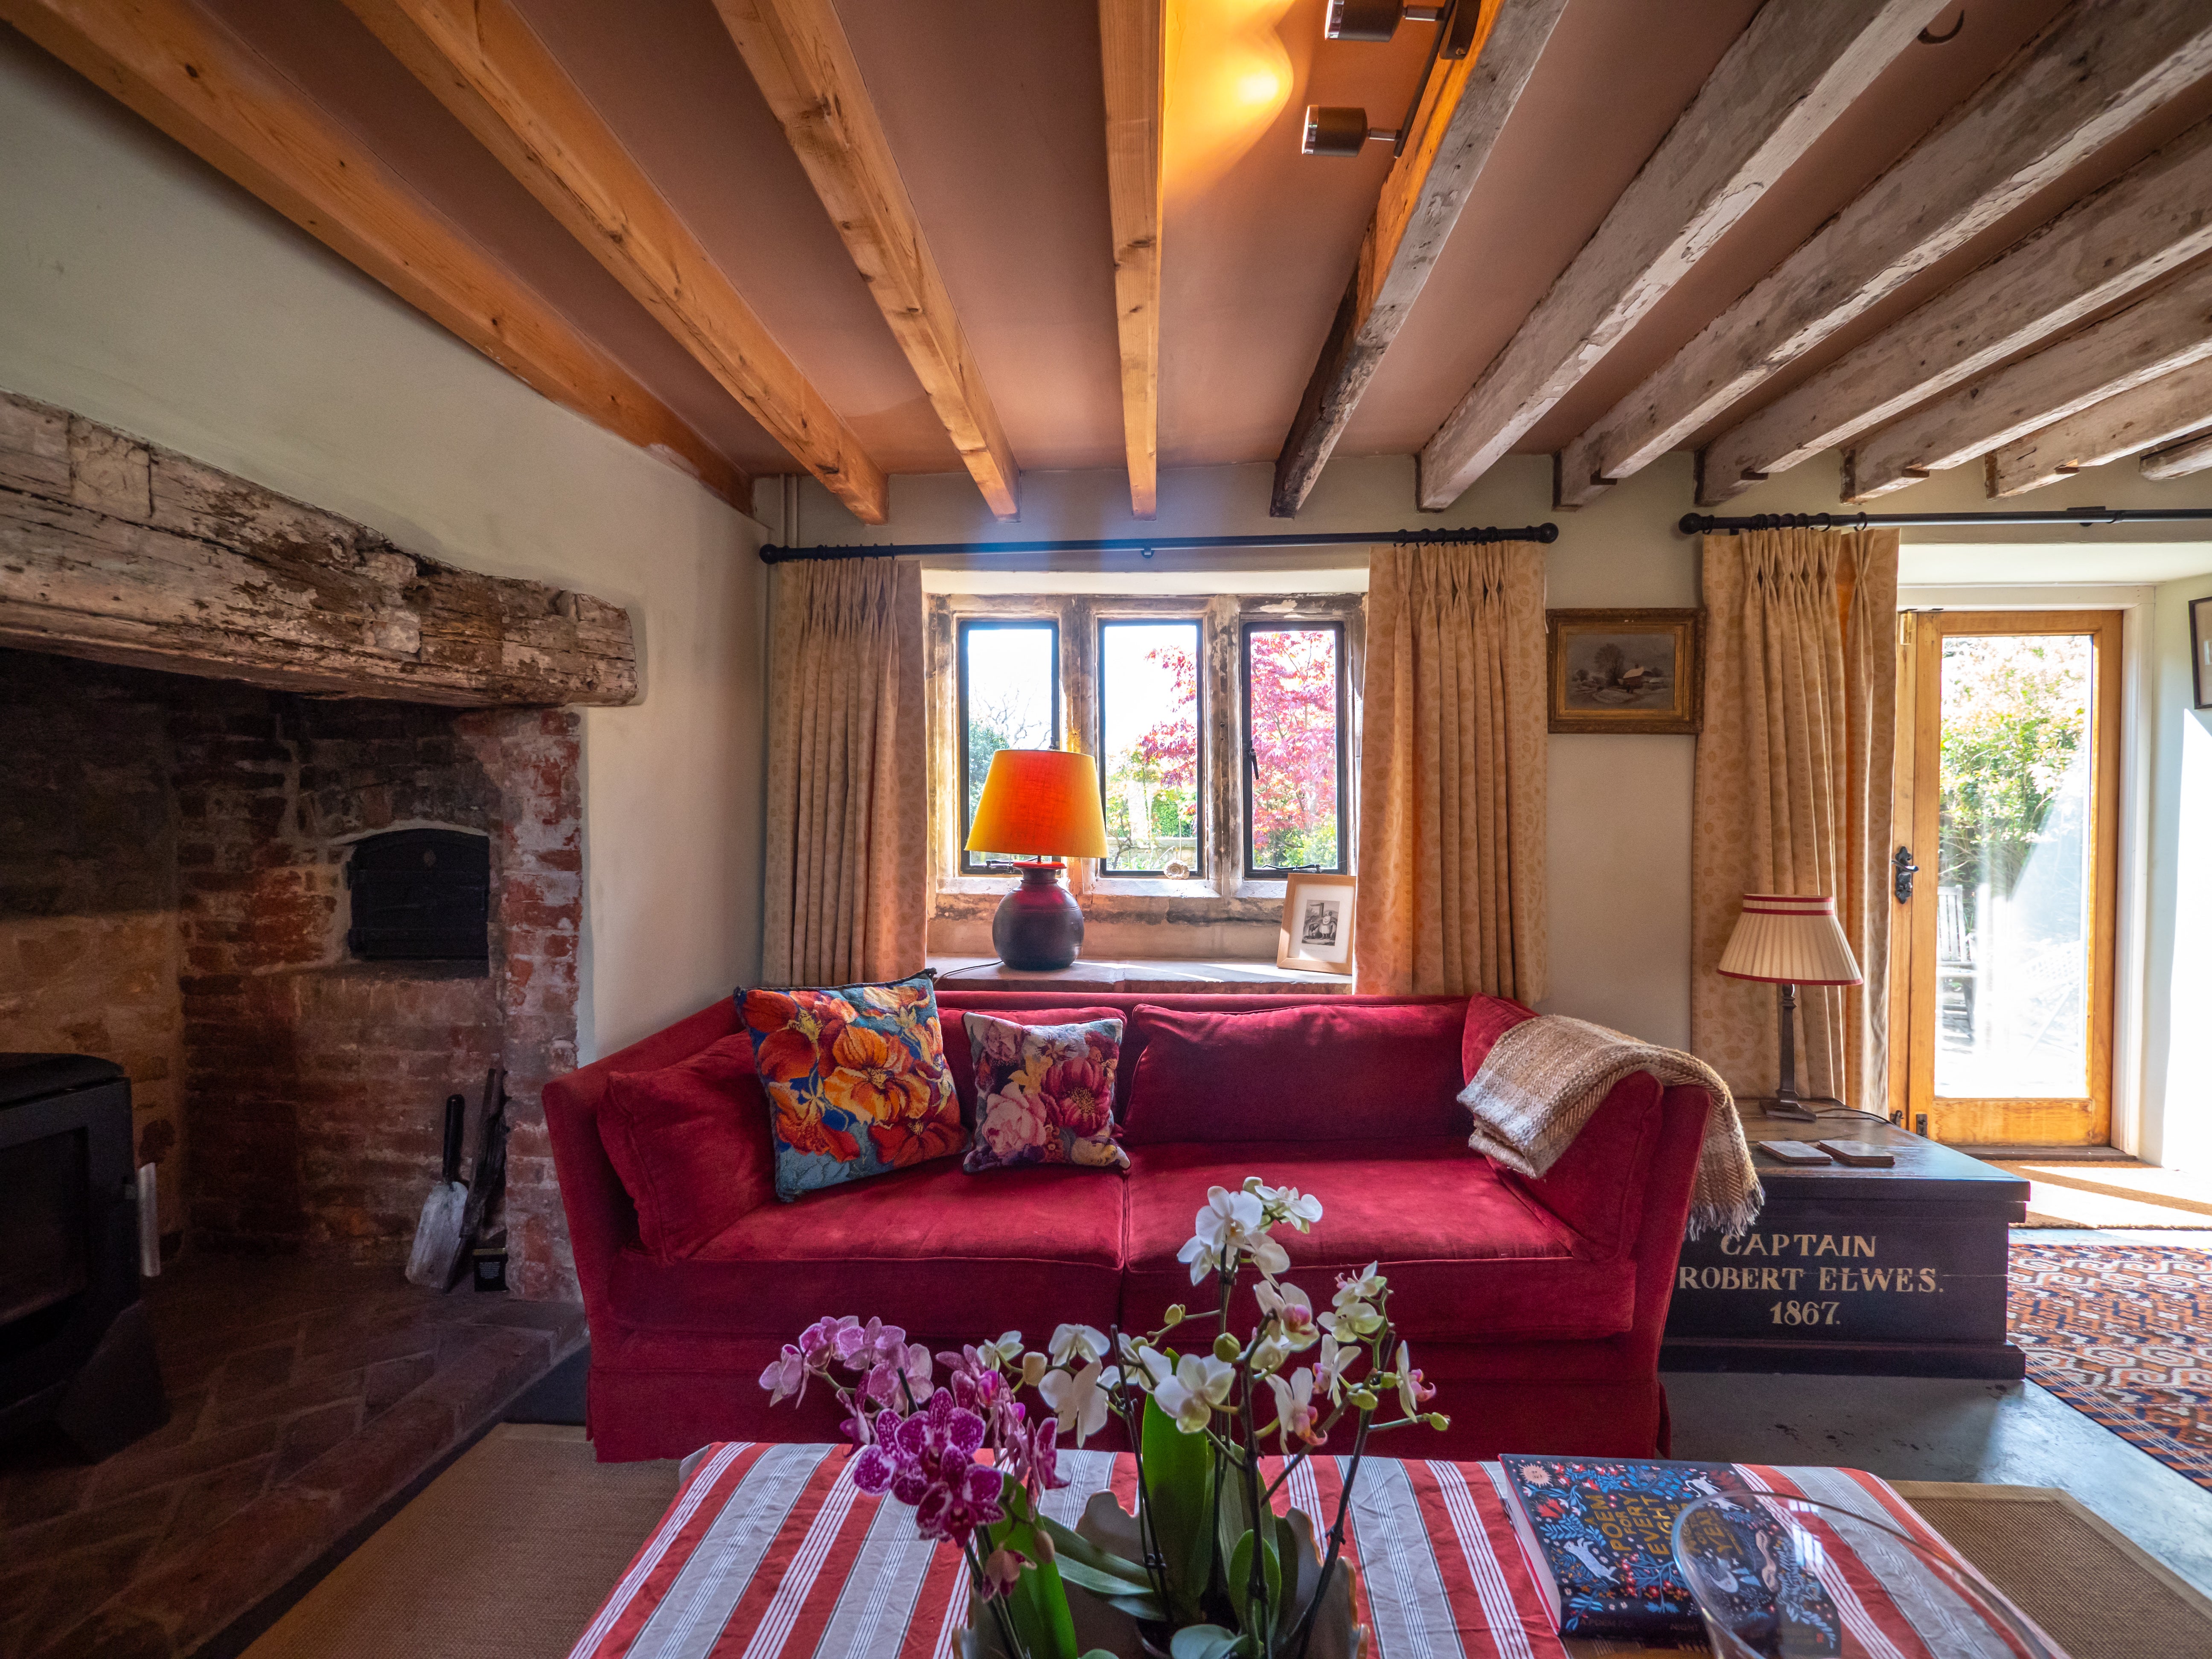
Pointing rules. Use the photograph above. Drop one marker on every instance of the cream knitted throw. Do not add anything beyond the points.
(1543, 1077)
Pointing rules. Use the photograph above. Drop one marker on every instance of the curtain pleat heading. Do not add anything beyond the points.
(847, 887)
(1452, 773)
(1793, 792)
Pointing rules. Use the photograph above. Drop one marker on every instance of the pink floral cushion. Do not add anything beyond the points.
(1044, 1094)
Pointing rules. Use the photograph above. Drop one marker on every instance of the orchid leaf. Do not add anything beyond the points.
(1073, 1545)
(1037, 1602)
(1106, 1584)
(1240, 1578)
(1202, 1641)
(1178, 1475)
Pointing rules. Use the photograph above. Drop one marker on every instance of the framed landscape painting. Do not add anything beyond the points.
(1625, 670)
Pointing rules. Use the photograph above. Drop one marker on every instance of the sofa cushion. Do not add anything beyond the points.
(690, 1143)
(947, 1257)
(1305, 1073)
(1470, 1258)
(1488, 1019)
(856, 1077)
(960, 1060)
(1044, 1094)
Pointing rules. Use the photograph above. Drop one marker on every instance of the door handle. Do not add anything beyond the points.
(1905, 869)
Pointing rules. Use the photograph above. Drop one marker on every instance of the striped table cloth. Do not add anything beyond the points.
(770, 1551)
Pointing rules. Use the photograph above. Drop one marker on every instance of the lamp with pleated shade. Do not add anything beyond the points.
(1789, 939)
(1044, 803)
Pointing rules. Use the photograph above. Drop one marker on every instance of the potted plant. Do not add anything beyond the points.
(1204, 1569)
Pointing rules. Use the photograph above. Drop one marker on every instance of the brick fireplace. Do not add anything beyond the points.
(173, 854)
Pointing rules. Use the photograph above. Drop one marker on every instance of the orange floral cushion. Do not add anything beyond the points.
(856, 1081)
(1044, 1094)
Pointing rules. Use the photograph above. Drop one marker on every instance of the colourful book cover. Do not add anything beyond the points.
(1598, 1534)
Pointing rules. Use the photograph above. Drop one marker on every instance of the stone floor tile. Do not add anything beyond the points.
(256, 1371)
(135, 1469)
(208, 1500)
(388, 1381)
(80, 1581)
(311, 1434)
(290, 1400)
(42, 1540)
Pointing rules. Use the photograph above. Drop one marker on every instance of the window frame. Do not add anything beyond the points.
(969, 864)
(1220, 911)
(1248, 628)
(1195, 619)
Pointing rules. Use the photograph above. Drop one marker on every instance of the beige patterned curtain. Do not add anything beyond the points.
(847, 896)
(1793, 792)
(1451, 772)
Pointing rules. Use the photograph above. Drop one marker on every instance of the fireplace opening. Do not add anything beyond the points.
(421, 895)
(43, 1255)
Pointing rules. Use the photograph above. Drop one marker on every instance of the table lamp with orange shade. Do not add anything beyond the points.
(1039, 806)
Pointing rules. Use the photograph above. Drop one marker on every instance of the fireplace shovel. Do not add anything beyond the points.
(438, 1234)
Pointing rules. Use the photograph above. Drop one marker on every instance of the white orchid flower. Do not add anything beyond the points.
(1079, 1398)
(1287, 1204)
(1072, 1344)
(1231, 1222)
(1150, 1368)
(1292, 1313)
(1006, 1351)
(1366, 1287)
(1201, 1383)
(1351, 1320)
(1329, 1369)
(1294, 1407)
(1412, 1391)
(1269, 1352)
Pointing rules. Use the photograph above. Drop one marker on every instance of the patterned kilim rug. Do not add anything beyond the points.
(2122, 1333)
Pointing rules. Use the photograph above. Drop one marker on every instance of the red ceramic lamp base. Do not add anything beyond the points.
(1039, 926)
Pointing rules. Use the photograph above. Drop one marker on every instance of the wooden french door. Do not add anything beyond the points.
(2007, 798)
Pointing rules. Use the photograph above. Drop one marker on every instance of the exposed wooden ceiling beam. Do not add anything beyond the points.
(486, 65)
(2147, 222)
(797, 51)
(2094, 71)
(1132, 50)
(2166, 331)
(2180, 460)
(1462, 111)
(181, 68)
(1775, 89)
(2156, 412)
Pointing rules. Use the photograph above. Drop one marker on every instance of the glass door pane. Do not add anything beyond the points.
(2015, 877)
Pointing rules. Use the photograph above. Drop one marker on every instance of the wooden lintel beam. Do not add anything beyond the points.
(118, 550)
(2156, 412)
(485, 64)
(1133, 54)
(2146, 223)
(1462, 110)
(798, 52)
(178, 66)
(2180, 461)
(1796, 67)
(2094, 71)
(2156, 335)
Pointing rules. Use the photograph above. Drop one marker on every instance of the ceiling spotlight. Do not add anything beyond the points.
(1374, 19)
(1338, 130)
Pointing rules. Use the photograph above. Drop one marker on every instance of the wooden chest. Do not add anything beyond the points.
(1898, 1271)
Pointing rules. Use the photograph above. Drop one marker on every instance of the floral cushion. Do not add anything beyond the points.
(856, 1080)
(1044, 1094)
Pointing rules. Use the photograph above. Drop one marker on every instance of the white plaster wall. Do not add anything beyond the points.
(2178, 1012)
(140, 288)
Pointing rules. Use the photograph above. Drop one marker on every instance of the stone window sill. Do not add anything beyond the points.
(1156, 976)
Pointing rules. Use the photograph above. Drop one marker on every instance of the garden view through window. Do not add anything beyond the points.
(1294, 708)
(1149, 746)
(1009, 699)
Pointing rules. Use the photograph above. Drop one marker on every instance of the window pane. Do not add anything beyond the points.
(1148, 698)
(1007, 677)
(2015, 872)
(1291, 676)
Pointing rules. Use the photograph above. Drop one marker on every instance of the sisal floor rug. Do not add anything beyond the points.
(2122, 1333)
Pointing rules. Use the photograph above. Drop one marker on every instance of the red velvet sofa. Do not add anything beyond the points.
(1535, 1306)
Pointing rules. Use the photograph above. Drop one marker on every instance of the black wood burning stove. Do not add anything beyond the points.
(75, 1346)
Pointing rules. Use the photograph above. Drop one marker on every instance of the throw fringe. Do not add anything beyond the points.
(1543, 1079)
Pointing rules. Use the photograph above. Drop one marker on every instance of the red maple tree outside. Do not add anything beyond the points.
(1293, 727)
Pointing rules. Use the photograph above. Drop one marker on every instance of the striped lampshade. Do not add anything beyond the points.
(1788, 939)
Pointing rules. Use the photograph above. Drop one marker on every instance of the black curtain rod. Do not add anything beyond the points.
(1703, 524)
(1148, 545)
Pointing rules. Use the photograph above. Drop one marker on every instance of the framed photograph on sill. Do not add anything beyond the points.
(1318, 918)
(1625, 670)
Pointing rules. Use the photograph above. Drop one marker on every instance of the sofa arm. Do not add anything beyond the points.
(1597, 1185)
(601, 1218)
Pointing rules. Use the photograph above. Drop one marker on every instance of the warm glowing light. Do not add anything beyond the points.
(1260, 87)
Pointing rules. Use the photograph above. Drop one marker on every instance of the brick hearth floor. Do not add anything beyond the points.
(303, 1396)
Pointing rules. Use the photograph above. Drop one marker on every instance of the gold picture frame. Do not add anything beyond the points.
(1318, 917)
(1638, 672)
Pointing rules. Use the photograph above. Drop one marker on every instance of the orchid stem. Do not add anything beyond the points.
(1335, 1542)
